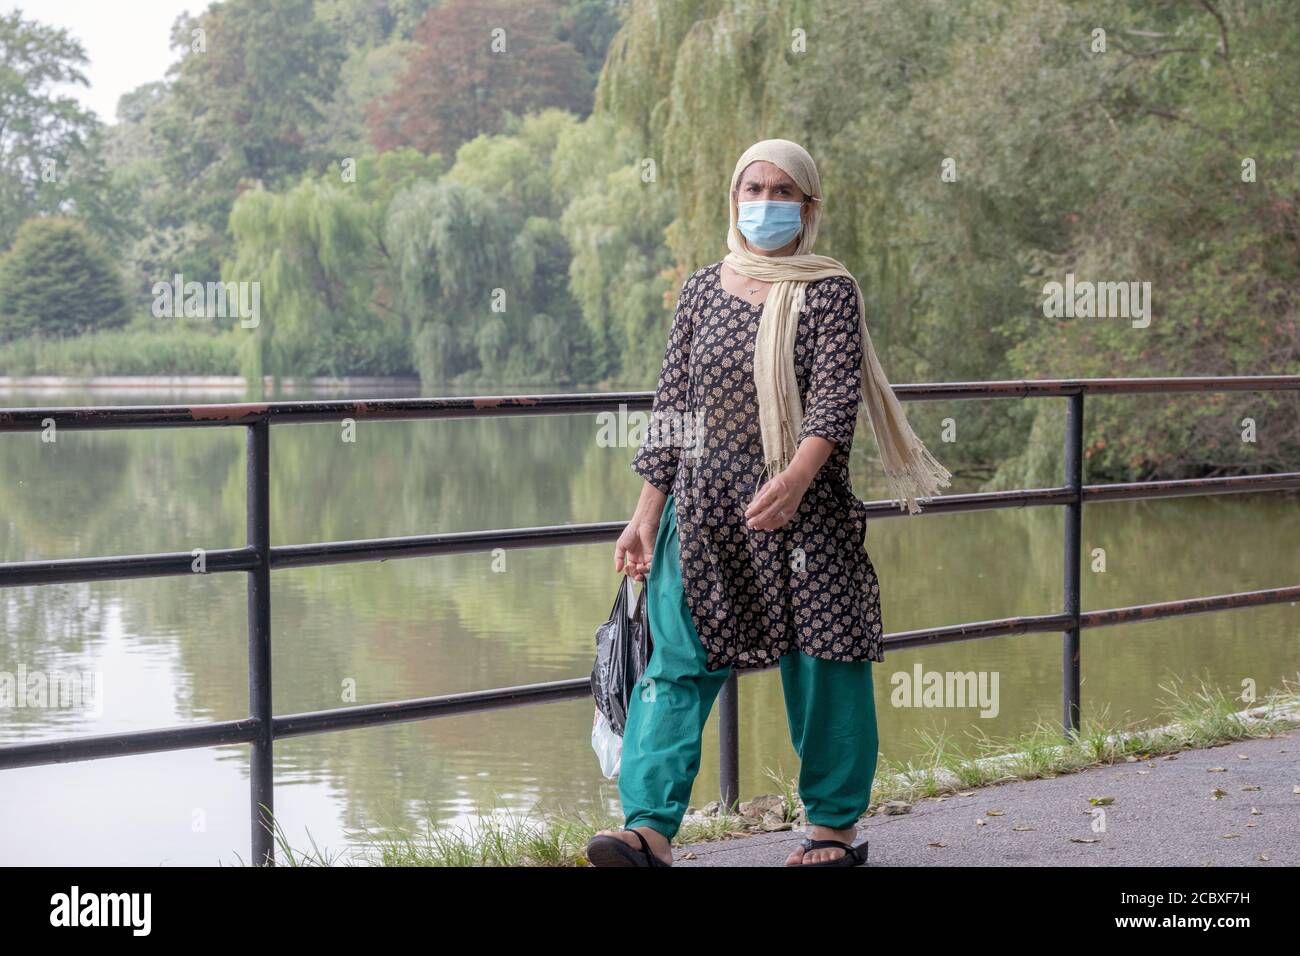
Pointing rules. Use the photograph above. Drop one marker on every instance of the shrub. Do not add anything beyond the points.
(57, 279)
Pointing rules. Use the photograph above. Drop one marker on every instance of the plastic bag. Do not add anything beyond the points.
(607, 744)
(623, 648)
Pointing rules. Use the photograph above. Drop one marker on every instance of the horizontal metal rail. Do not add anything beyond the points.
(177, 563)
(410, 409)
(66, 750)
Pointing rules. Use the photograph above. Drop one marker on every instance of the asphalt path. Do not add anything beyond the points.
(1235, 804)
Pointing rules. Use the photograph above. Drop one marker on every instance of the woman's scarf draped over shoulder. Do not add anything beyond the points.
(910, 468)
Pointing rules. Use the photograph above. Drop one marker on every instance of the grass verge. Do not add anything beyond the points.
(1196, 718)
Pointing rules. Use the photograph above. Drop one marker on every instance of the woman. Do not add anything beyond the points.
(747, 532)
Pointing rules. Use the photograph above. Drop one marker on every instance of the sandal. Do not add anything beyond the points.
(606, 850)
(853, 855)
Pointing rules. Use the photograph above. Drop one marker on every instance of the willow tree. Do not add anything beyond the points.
(447, 243)
(329, 303)
(481, 260)
(621, 274)
(971, 152)
(697, 82)
(312, 253)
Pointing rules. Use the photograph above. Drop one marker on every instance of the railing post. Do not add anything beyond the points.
(1073, 528)
(729, 742)
(261, 780)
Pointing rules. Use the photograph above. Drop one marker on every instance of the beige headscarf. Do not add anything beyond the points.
(911, 470)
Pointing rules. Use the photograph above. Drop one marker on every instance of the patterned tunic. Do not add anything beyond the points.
(807, 586)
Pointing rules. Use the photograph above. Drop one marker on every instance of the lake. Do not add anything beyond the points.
(173, 651)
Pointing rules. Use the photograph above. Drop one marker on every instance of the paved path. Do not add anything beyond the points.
(1163, 814)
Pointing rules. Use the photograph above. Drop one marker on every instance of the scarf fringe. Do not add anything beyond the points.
(773, 468)
(920, 478)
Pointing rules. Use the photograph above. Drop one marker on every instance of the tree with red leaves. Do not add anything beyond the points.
(478, 59)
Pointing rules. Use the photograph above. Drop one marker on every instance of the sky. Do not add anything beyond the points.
(126, 41)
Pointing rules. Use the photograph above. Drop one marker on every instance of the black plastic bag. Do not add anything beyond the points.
(623, 647)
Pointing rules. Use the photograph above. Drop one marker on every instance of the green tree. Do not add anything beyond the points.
(57, 279)
(318, 250)
(697, 82)
(368, 74)
(158, 238)
(621, 272)
(481, 263)
(1167, 158)
(590, 25)
(49, 157)
(969, 153)
(367, 24)
(242, 110)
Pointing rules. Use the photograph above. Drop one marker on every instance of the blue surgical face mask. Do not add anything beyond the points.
(768, 223)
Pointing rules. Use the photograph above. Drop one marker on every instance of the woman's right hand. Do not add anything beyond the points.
(635, 549)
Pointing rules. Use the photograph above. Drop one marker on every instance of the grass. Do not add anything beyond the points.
(1195, 719)
(133, 350)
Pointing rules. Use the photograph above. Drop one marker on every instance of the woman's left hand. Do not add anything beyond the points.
(777, 501)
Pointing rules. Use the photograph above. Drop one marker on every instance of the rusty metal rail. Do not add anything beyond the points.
(258, 558)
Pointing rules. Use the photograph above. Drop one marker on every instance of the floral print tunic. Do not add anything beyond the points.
(808, 586)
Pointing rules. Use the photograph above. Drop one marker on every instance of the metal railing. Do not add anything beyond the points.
(258, 558)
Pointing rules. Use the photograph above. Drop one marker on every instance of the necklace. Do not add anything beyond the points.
(754, 291)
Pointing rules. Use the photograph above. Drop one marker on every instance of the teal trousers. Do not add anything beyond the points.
(830, 707)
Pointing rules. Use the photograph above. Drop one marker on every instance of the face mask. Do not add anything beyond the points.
(769, 224)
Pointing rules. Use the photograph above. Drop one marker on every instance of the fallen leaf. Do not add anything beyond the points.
(1022, 827)
(1217, 770)
(993, 813)
(1084, 840)
(938, 846)
(1217, 794)
(1101, 801)
(1245, 789)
